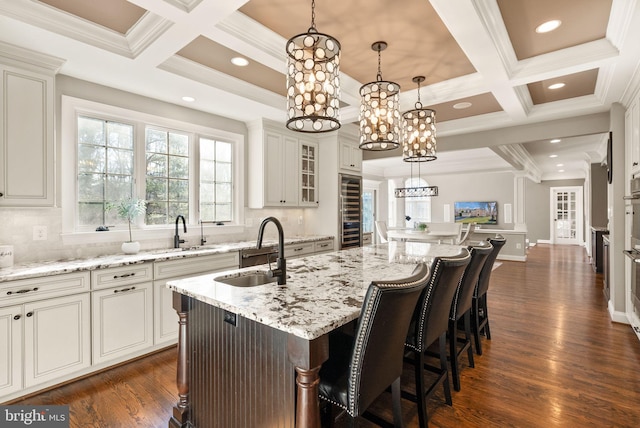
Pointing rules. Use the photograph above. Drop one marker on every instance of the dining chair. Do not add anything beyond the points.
(479, 312)
(363, 366)
(461, 310)
(381, 228)
(430, 324)
(467, 233)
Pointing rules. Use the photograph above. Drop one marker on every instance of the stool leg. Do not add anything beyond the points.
(453, 354)
(397, 405)
(467, 336)
(420, 387)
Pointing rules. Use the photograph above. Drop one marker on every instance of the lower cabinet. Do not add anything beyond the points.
(122, 321)
(44, 340)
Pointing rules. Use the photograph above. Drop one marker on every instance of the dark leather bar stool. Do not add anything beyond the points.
(430, 323)
(361, 368)
(461, 310)
(479, 313)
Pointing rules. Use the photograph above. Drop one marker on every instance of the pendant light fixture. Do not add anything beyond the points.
(419, 131)
(415, 191)
(379, 114)
(313, 83)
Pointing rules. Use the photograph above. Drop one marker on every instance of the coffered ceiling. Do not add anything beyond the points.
(481, 53)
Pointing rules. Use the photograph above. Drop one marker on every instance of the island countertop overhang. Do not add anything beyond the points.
(323, 292)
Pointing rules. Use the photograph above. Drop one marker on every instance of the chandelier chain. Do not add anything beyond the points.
(379, 76)
(313, 14)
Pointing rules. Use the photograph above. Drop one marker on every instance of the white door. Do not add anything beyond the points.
(566, 215)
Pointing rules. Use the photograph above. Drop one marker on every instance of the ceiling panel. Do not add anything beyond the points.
(480, 104)
(117, 15)
(582, 21)
(576, 85)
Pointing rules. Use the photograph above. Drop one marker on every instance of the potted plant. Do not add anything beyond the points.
(129, 209)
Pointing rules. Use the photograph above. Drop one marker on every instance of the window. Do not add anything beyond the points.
(110, 153)
(167, 175)
(419, 209)
(105, 168)
(216, 184)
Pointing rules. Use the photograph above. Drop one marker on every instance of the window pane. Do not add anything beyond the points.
(156, 165)
(223, 172)
(179, 190)
(120, 135)
(157, 212)
(156, 141)
(91, 159)
(223, 152)
(176, 209)
(216, 180)
(178, 167)
(156, 189)
(91, 187)
(207, 170)
(90, 213)
(223, 212)
(207, 192)
(90, 131)
(223, 193)
(178, 144)
(120, 161)
(118, 187)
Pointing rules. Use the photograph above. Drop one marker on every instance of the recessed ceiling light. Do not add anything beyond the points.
(545, 27)
(462, 105)
(555, 140)
(556, 86)
(188, 99)
(561, 170)
(553, 156)
(560, 164)
(239, 61)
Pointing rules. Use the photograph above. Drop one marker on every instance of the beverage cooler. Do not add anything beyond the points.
(350, 211)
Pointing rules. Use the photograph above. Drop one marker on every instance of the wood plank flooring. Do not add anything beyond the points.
(555, 360)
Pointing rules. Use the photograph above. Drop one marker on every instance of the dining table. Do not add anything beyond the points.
(417, 235)
(323, 292)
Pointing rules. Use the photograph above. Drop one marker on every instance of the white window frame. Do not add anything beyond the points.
(73, 107)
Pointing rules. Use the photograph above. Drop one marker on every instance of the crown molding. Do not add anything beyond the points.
(37, 61)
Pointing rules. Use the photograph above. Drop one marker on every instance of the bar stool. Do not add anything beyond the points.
(461, 310)
(361, 368)
(430, 323)
(479, 313)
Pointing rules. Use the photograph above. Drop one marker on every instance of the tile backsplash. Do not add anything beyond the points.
(17, 229)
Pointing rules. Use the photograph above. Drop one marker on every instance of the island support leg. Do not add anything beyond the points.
(307, 356)
(181, 409)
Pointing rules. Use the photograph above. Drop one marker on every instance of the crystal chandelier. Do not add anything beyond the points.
(313, 83)
(379, 114)
(419, 131)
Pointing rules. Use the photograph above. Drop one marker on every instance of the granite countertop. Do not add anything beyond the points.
(47, 268)
(322, 292)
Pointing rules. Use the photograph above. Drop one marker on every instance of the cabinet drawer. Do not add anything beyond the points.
(120, 276)
(298, 250)
(324, 246)
(193, 265)
(25, 290)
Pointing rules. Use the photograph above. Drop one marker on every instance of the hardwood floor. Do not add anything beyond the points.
(555, 359)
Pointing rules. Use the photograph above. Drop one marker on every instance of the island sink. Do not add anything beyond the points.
(247, 279)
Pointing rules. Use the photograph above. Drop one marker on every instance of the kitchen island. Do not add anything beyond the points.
(240, 348)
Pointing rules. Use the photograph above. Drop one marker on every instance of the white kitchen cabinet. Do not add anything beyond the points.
(323, 246)
(11, 326)
(57, 338)
(26, 138)
(281, 170)
(309, 176)
(632, 134)
(279, 163)
(350, 155)
(292, 251)
(165, 318)
(121, 321)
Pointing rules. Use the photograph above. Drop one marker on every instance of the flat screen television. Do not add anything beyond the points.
(476, 212)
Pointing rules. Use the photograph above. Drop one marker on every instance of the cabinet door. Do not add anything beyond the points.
(632, 129)
(309, 180)
(10, 349)
(350, 156)
(122, 320)
(274, 169)
(57, 338)
(26, 138)
(290, 178)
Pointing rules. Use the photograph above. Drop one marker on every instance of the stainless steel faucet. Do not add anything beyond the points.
(176, 238)
(281, 264)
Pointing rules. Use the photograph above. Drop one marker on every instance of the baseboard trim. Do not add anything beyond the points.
(544, 241)
(512, 258)
(617, 316)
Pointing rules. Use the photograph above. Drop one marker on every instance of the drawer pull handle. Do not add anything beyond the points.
(324, 245)
(124, 289)
(126, 275)
(9, 293)
(16, 317)
(297, 249)
(29, 314)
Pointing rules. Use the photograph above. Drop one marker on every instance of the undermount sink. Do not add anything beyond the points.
(247, 279)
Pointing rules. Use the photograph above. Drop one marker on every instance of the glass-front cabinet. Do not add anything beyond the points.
(308, 174)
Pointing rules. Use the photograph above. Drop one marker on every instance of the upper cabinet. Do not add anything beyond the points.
(632, 135)
(27, 170)
(283, 168)
(350, 155)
